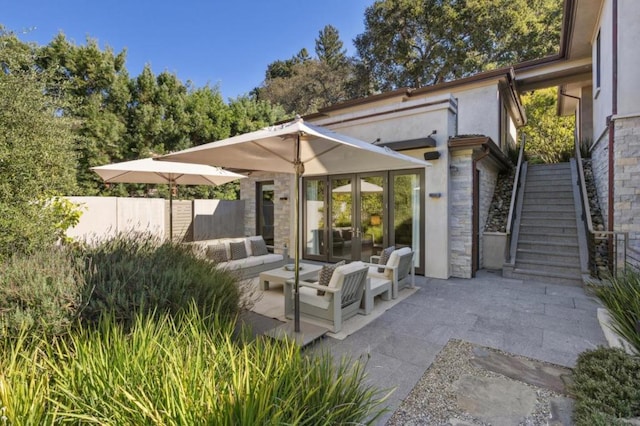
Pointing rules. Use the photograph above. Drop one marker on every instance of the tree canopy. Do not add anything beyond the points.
(414, 43)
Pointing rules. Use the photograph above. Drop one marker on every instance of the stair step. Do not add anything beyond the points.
(548, 228)
(545, 193)
(548, 246)
(548, 237)
(549, 177)
(547, 186)
(550, 267)
(550, 208)
(532, 254)
(568, 279)
(534, 200)
(559, 218)
(552, 166)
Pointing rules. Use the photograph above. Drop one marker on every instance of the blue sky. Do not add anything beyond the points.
(221, 42)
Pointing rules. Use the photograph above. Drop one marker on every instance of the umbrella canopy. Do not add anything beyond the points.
(321, 151)
(300, 148)
(148, 170)
(364, 187)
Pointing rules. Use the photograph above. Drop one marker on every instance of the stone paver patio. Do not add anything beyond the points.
(547, 322)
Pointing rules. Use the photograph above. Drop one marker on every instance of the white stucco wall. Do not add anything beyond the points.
(628, 57)
(479, 112)
(602, 95)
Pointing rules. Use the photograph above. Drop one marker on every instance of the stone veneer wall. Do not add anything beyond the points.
(283, 216)
(627, 178)
(488, 179)
(460, 232)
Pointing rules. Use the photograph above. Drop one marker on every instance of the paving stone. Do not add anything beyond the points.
(525, 370)
(561, 412)
(498, 401)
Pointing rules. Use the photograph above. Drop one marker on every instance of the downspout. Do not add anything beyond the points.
(611, 124)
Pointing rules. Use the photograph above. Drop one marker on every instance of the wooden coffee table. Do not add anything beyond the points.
(281, 275)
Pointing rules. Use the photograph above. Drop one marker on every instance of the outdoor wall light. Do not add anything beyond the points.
(435, 194)
(284, 198)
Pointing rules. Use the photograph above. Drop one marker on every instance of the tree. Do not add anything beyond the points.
(329, 48)
(37, 163)
(302, 85)
(414, 43)
(550, 138)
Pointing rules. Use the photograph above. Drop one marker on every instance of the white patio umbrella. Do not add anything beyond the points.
(300, 148)
(148, 170)
(364, 187)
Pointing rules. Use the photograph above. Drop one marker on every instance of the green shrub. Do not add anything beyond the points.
(178, 372)
(127, 275)
(621, 296)
(39, 293)
(606, 385)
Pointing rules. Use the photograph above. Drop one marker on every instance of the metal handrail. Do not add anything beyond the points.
(586, 208)
(514, 195)
(516, 184)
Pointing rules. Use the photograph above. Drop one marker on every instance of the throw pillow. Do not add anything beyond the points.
(384, 257)
(324, 277)
(217, 253)
(259, 247)
(238, 250)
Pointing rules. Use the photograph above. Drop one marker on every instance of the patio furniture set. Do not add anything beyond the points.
(350, 290)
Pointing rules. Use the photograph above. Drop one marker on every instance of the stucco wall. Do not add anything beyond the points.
(628, 57)
(602, 95)
(479, 112)
(460, 217)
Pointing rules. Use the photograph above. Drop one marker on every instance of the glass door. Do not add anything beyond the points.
(341, 233)
(407, 215)
(264, 216)
(372, 207)
(315, 230)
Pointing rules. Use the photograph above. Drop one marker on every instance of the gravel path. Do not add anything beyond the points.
(433, 399)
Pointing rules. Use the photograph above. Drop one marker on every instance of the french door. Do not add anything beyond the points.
(354, 216)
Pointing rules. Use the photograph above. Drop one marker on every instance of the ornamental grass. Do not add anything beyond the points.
(177, 370)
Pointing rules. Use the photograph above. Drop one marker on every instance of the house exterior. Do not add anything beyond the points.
(463, 128)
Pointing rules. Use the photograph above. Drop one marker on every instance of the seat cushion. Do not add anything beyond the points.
(270, 258)
(309, 296)
(384, 257)
(377, 282)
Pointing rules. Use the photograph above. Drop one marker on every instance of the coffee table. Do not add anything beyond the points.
(281, 275)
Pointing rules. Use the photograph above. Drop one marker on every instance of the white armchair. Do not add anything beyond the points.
(341, 299)
(399, 270)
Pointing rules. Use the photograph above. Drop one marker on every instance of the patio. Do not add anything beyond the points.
(546, 322)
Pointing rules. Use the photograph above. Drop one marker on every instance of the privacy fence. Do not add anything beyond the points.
(193, 220)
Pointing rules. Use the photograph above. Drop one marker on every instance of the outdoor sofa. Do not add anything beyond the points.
(247, 255)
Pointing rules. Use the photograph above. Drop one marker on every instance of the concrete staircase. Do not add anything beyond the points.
(547, 240)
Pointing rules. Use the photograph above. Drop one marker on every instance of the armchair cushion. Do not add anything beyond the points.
(324, 277)
(384, 257)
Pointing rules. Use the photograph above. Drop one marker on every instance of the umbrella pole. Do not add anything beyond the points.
(170, 211)
(299, 168)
